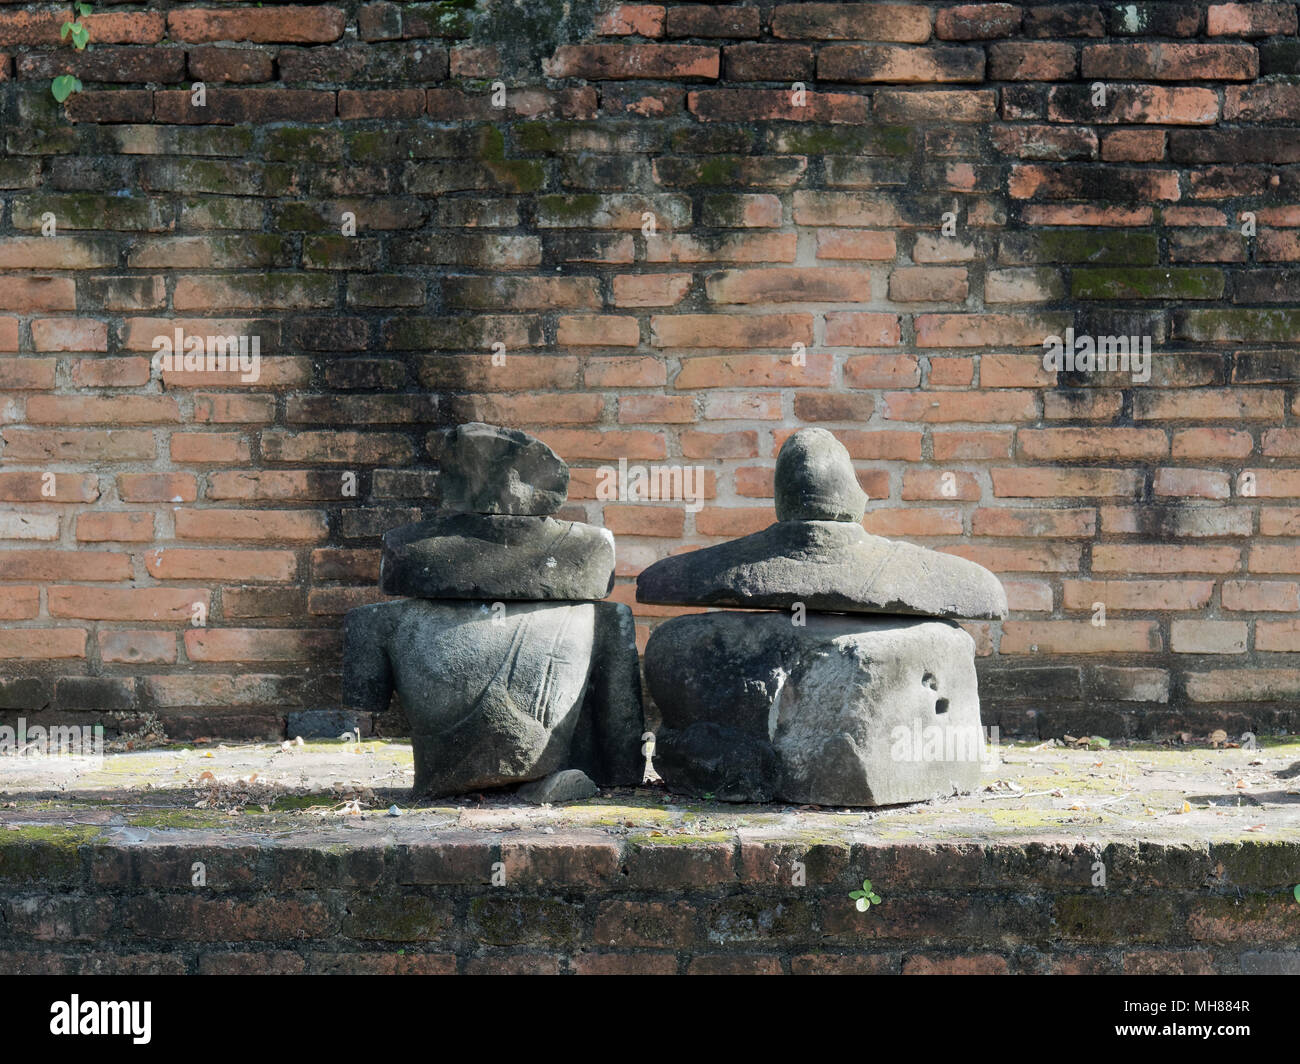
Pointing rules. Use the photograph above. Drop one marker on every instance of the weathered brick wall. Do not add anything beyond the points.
(72, 903)
(1125, 169)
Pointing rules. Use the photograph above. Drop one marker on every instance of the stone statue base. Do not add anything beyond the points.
(846, 710)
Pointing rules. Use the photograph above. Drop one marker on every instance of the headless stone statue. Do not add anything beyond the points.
(818, 703)
(508, 669)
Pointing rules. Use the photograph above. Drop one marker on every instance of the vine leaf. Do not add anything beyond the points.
(64, 86)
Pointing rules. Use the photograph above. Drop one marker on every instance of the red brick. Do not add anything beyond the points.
(636, 520)
(1104, 443)
(1123, 558)
(857, 329)
(960, 406)
(1138, 595)
(27, 374)
(70, 334)
(230, 65)
(287, 24)
(259, 644)
(19, 603)
(733, 105)
(1261, 596)
(748, 371)
(606, 62)
(644, 20)
(1170, 62)
(859, 22)
(648, 290)
(135, 526)
(250, 524)
(28, 294)
(856, 244)
(1251, 20)
(125, 604)
(968, 964)
(1080, 637)
(867, 63)
(719, 444)
(1025, 61)
(43, 643)
(928, 284)
(728, 330)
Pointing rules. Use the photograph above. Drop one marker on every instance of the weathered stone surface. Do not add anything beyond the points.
(485, 557)
(486, 469)
(607, 742)
(842, 711)
(815, 480)
(568, 785)
(826, 565)
(497, 697)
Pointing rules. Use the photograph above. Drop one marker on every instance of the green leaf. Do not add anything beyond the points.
(1296, 892)
(80, 35)
(866, 885)
(875, 899)
(83, 9)
(1097, 740)
(857, 894)
(64, 86)
(64, 30)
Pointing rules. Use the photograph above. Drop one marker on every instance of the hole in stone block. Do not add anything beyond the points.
(941, 706)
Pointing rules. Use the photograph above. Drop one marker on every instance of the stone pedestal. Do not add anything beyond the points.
(845, 710)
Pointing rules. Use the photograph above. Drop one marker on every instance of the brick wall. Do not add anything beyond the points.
(579, 903)
(669, 234)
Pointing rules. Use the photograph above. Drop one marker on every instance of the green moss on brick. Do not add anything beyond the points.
(1236, 324)
(520, 175)
(1101, 248)
(1151, 283)
(43, 853)
(569, 208)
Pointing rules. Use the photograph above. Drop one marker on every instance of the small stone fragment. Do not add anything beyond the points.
(570, 785)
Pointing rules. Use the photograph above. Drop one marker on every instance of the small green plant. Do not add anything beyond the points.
(66, 84)
(1296, 892)
(864, 898)
(76, 29)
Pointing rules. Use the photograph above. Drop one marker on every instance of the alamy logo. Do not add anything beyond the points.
(209, 354)
(1099, 354)
(655, 483)
(102, 1017)
(917, 744)
(58, 740)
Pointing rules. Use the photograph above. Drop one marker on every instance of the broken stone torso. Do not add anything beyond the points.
(508, 666)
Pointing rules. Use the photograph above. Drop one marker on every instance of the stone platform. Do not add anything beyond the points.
(294, 865)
